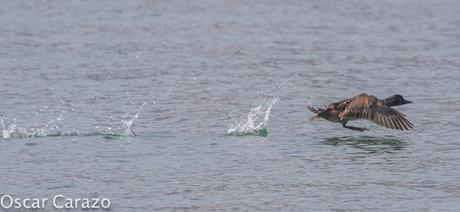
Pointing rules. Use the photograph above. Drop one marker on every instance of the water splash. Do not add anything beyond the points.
(128, 124)
(128, 121)
(256, 121)
(8, 127)
(11, 130)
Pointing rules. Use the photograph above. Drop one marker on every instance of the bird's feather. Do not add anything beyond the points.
(372, 109)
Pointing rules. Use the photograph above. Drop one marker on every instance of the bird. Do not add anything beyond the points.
(366, 107)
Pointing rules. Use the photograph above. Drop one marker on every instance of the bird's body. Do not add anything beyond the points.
(367, 107)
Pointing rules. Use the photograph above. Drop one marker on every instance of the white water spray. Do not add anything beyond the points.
(256, 121)
(11, 130)
(128, 124)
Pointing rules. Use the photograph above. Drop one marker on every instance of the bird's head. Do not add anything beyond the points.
(396, 100)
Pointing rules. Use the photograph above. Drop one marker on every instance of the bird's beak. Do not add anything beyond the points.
(407, 101)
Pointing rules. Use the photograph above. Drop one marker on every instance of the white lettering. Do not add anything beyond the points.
(35, 203)
(17, 203)
(24, 203)
(85, 204)
(105, 203)
(55, 201)
(68, 203)
(3, 201)
(95, 203)
(44, 200)
(76, 202)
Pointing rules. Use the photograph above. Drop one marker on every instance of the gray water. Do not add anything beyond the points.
(133, 100)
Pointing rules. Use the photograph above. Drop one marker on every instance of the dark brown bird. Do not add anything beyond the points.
(366, 107)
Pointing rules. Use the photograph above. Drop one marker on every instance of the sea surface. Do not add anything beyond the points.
(201, 105)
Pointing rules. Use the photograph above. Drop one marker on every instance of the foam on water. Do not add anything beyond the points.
(256, 121)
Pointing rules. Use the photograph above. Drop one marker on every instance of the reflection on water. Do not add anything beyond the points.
(367, 145)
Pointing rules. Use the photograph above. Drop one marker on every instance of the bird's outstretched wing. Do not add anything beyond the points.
(375, 110)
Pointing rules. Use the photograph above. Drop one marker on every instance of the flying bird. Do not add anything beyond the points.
(366, 107)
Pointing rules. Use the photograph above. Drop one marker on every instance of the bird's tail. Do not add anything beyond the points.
(314, 110)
